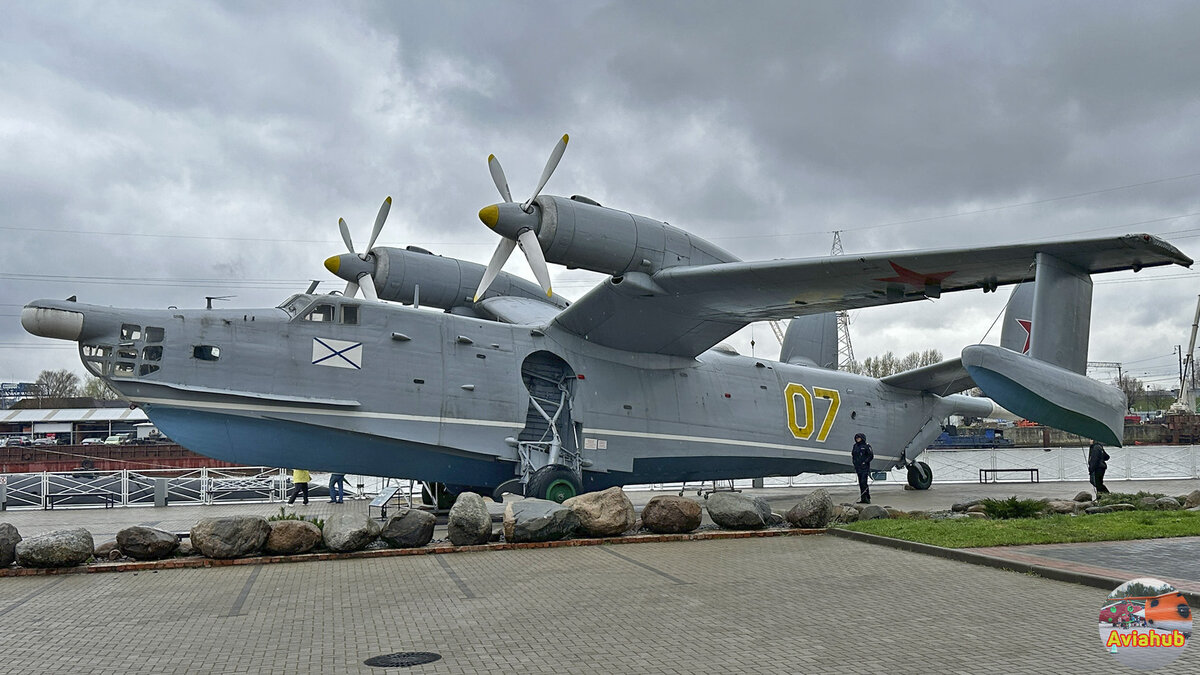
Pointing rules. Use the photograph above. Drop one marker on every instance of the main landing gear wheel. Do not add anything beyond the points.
(915, 479)
(554, 482)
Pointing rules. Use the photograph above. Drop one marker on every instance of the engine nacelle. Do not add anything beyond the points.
(443, 282)
(591, 237)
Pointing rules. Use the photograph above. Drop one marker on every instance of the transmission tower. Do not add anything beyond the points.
(845, 349)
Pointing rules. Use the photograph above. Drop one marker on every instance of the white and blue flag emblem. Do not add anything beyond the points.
(337, 353)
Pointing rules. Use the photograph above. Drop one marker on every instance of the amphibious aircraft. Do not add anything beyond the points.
(512, 388)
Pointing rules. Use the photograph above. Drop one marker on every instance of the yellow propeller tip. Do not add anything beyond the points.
(389, 199)
(491, 158)
(333, 263)
(490, 215)
(566, 138)
(550, 293)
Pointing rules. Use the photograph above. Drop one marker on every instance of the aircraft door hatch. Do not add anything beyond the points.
(549, 436)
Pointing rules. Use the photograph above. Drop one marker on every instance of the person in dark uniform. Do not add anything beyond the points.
(862, 455)
(1097, 465)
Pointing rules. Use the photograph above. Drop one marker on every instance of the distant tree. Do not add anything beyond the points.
(58, 383)
(889, 364)
(94, 387)
(1131, 387)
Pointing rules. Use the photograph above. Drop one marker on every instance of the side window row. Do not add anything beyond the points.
(328, 314)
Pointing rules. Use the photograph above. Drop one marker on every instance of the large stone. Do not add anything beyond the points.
(470, 523)
(108, 551)
(146, 543)
(1148, 502)
(1092, 510)
(1123, 507)
(9, 538)
(978, 508)
(60, 548)
(814, 510)
(347, 532)
(873, 512)
(671, 514)
(539, 520)
(409, 528)
(1083, 496)
(607, 513)
(1193, 500)
(230, 537)
(289, 537)
(736, 511)
(1166, 504)
(1063, 506)
(844, 513)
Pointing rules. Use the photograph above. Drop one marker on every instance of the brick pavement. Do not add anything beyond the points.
(780, 605)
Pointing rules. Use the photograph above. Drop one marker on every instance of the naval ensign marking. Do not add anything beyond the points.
(337, 353)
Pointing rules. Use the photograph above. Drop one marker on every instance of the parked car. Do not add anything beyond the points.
(118, 439)
(45, 440)
(93, 440)
(13, 441)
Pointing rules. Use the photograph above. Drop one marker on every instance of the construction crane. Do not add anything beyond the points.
(1185, 403)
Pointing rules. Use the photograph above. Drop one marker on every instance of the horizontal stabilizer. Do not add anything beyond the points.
(947, 377)
(1048, 394)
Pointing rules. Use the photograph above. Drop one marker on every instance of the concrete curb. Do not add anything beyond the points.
(193, 562)
(968, 556)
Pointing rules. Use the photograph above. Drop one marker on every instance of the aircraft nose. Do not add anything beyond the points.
(52, 322)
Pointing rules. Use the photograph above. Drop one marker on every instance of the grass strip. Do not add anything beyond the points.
(1057, 529)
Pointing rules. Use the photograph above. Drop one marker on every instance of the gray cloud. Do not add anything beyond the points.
(237, 135)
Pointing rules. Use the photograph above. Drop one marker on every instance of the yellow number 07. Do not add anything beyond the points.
(806, 431)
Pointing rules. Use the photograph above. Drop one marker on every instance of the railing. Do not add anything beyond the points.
(268, 485)
(1145, 462)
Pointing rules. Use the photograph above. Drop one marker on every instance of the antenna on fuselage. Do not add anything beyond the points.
(209, 298)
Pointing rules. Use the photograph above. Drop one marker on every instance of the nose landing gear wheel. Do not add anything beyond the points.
(915, 479)
(554, 482)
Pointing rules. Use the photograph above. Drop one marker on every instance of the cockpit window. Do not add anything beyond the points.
(294, 304)
(350, 315)
(154, 334)
(131, 332)
(322, 313)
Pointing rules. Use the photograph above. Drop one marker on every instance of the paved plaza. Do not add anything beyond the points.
(804, 604)
(800, 604)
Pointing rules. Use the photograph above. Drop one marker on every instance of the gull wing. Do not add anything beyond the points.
(684, 311)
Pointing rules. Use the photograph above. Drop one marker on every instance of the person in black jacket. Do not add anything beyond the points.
(862, 455)
(1097, 465)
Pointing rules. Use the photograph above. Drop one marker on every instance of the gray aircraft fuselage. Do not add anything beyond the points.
(384, 389)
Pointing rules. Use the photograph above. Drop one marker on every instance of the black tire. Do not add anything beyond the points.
(554, 482)
(513, 486)
(914, 477)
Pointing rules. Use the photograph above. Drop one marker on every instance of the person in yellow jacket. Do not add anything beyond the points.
(300, 480)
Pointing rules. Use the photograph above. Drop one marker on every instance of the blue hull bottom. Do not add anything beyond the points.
(257, 441)
(277, 443)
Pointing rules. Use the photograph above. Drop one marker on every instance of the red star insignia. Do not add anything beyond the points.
(1028, 326)
(911, 278)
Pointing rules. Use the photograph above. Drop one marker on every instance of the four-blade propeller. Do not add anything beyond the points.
(525, 236)
(358, 265)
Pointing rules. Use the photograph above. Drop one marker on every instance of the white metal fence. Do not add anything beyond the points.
(75, 489)
(1053, 464)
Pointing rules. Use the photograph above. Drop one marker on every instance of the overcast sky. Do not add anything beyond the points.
(155, 153)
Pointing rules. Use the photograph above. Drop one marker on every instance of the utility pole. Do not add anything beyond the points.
(845, 348)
